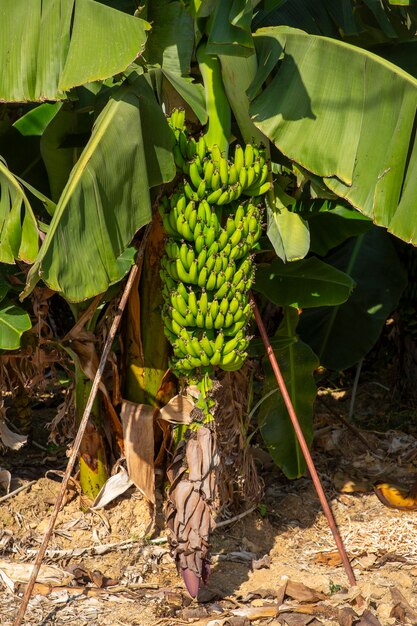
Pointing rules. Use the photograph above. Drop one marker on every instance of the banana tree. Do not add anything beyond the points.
(289, 86)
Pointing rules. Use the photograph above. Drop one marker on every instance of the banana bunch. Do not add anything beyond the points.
(212, 176)
(208, 269)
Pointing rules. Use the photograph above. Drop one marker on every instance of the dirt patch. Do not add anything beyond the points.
(253, 557)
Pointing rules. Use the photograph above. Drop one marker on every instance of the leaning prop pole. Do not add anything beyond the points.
(303, 445)
(81, 430)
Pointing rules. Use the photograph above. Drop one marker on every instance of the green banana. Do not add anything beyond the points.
(192, 302)
(210, 238)
(194, 174)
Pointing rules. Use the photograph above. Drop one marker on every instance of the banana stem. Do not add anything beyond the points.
(217, 104)
(238, 73)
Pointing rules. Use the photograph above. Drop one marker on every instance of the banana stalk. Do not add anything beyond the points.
(92, 456)
(217, 105)
(147, 350)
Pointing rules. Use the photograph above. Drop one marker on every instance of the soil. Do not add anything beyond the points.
(109, 572)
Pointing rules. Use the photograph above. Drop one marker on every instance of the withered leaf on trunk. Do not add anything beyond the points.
(137, 422)
(178, 410)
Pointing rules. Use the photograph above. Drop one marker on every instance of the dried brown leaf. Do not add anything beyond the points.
(302, 593)
(368, 619)
(5, 480)
(194, 460)
(254, 613)
(9, 438)
(400, 601)
(262, 563)
(178, 410)
(114, 487)
(48, 574)
(399, 613)
(138, 430)
(293, 619)
(346, 616)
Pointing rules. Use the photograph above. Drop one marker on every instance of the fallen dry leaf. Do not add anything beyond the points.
(228, 621)
(263, 563)
(347, 616)
(346, 484)
(9, 438)
(254, 613)
(368, 619)
(302, 593)
(401, 603)
(395, 496)
(114, 487)
(292, 619)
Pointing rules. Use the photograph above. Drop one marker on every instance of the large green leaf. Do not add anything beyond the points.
(171, 40)
(303, 284)
(192, 93)
(288, 233)
(60, 160)
(49, 46)
(13, 323)
(297, 363)
(230, 31)
(346, 115)
(328, 17)
(342, 335)
(331, 227)
(37, 119)
(106, 199)
(18, 228)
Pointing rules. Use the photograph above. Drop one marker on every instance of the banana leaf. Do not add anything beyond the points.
(18, 228)
(48, 47)
(346, 115)
(303, 284)
(36, 120)
(171, 41)
(344, 334)
(14, 321)
(107, 198)
(297, 363)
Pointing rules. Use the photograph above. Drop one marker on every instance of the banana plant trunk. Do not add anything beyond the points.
(92, 456)
(147, 347)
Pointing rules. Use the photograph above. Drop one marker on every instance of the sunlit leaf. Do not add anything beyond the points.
(18, 229)
(192, 93)
(36, 120)
(14, 321)
(49, 46)
(346, 115)
(171, 41)
(106, 199)
(288, 233)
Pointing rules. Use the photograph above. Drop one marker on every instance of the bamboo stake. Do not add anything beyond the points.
(81, 430)
(304, 447)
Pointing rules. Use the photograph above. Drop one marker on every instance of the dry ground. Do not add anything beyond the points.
(257, 558)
